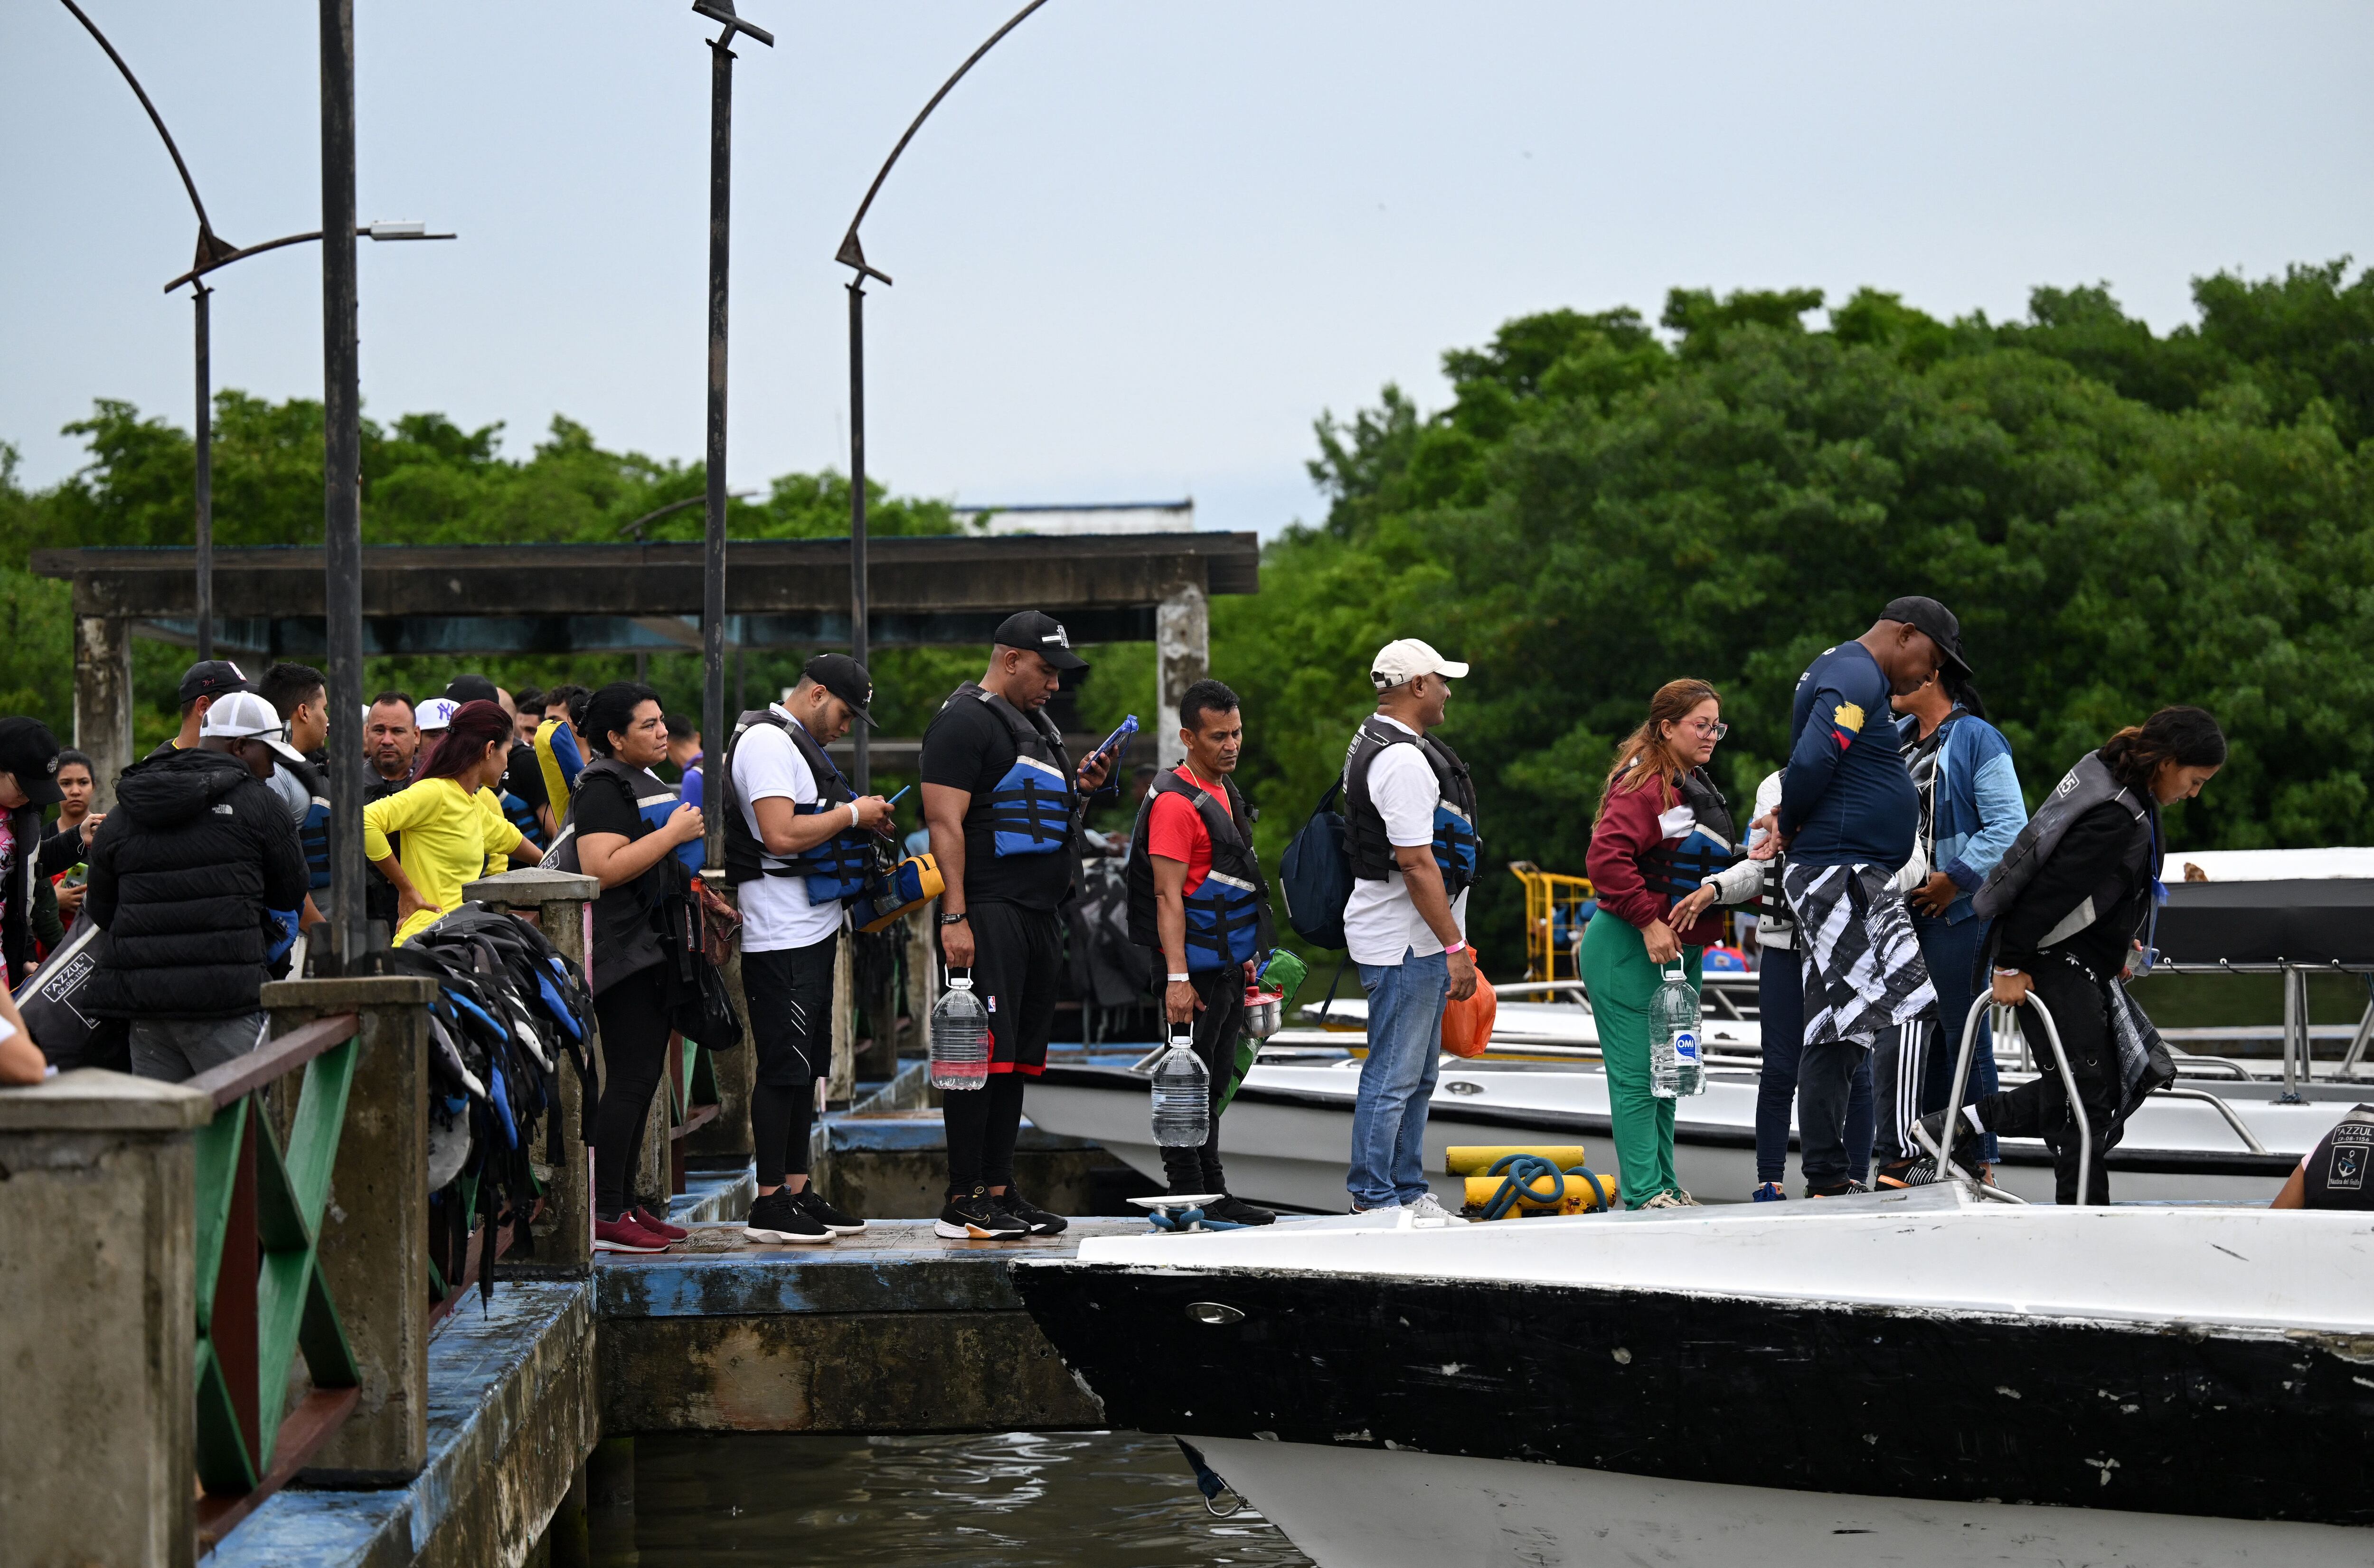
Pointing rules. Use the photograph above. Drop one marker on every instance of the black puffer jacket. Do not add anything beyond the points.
(181, 872)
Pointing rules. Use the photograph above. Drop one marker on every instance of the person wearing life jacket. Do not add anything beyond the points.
(1001, 799)
(799, 840)
(1663, 830)
(2072, 902)
(559, 751)
(2338, 1173)
(300, 695)
(1410, 834)
(1196, 894)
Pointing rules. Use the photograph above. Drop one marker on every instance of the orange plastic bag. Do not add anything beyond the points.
(1467, 1026)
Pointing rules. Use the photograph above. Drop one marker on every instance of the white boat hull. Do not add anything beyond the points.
(1367, 1508)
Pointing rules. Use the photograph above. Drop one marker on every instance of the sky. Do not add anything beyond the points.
(1146, 244)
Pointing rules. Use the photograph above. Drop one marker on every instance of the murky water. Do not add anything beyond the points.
(1016, 1500)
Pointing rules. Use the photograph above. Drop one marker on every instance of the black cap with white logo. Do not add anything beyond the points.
(29, 753)
(1042, 635)
(1928, 616)
(845, 678)
(211, 678)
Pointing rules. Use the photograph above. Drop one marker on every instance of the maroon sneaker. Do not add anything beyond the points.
(623, 1234)
(657, 1225)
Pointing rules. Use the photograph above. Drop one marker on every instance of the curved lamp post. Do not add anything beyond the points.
(852, 254)
(213, 253)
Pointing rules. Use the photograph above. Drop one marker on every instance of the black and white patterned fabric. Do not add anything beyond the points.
(1863, 969)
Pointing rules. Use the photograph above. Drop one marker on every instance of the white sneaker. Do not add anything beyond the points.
(1379, 1209)
(1428, 1207)
(1667, 1201)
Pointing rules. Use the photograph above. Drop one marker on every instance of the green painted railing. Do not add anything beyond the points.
(261, 1296)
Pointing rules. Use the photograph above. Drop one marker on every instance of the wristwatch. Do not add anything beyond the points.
(948, 920)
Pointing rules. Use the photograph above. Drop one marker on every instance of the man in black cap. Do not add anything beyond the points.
(201, 683)
(1848, 815)
(28, 781)
(523, 793)
(1001, 799)
(799, 840)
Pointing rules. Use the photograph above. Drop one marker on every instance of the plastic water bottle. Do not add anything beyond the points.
(1675, 1035)
(1182, 1093)
(959, 1036)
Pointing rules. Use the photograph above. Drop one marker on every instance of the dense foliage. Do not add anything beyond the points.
(2122, 519)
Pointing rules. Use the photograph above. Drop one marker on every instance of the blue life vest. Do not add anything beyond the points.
(1674, 867)
(1456, 842)
(1227, 915)
(313, 827)
(1029, 810)
(839, 868)
(522, 816)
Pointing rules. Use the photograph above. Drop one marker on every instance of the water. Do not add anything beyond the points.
(1182, 1096)
(959, 1037)
(1014, 1500)
(1674, 1032)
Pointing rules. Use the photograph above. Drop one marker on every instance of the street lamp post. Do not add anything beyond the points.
(852, 254)
(721, 228)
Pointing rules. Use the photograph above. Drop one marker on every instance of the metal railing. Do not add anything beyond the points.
(261, 1296)
(2006, 1019)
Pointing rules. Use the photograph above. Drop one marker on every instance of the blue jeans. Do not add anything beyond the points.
(1952, 954)
(1781, 1016)
(1406, 1003)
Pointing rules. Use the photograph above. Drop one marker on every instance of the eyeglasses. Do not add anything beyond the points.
(1716, 729)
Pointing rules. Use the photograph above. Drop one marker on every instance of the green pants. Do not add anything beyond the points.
(1621, 980)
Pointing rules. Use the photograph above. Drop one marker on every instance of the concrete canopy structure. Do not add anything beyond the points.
(457, 601)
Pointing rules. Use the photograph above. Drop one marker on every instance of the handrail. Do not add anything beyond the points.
(2008, 1018)
(274, 1058)
(2250, 1140)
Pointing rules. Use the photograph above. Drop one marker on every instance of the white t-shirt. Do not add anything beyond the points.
(776, 913)
(1381, 925)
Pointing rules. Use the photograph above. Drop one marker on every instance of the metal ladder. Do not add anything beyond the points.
(2007, 1018)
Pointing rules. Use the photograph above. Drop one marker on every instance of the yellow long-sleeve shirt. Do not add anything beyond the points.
(449, 836)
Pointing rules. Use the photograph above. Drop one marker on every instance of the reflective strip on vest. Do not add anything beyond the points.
(1030, 809)
(1223, 923)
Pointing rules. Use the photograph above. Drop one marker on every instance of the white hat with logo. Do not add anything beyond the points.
(1405, 659)
(436, 713)
(244, 716)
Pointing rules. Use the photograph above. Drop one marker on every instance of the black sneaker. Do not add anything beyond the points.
(774, 1217)
(1933, 1136)
(1041, 1221)
(809, 1202)
(1843, 1189)
(1906, 1172)
(977, 1216)
(1236, 1211)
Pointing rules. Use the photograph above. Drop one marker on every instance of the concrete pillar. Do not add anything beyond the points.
(923, 970)
(724, 1143)
(562, 1245)
(650, 1186)
(1182, 656)
(373, 1242)
(98, 1265)
(842, 1084)
(102, 700)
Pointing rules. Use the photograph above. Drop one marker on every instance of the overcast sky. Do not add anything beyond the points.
(1146, 244)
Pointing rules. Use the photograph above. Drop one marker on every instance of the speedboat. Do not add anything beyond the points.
(1931, 1376)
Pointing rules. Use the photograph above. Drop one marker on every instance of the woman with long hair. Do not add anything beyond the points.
(2086, 869)
(622, 828)
(448, 820)
(1663, 829)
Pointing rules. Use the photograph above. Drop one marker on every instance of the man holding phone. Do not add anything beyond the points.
(1001, 800)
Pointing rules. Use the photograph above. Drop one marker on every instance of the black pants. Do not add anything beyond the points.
(790, 991)
(1827, 1078)
(2040, 1110)
(1018, 954)
(633, 1016)
(1222, 992)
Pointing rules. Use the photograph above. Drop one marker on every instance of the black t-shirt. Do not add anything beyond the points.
(609, 809)
(2336, 1175)
(522, 776)
(967, 746)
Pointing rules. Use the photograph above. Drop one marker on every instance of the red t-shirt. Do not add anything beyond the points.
(1176, 831)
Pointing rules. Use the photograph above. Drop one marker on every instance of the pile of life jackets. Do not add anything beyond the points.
(509, 1007)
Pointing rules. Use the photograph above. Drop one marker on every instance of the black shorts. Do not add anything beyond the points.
(1018, 954)
(790, 994)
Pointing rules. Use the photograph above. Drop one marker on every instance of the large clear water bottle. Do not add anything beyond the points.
(1182, 1093)
(1674, 1037)
(959, 1036)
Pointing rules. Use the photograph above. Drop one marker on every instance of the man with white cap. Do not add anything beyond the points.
(1410, 834)
(196, 877)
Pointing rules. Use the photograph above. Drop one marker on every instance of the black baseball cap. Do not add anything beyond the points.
(845, 678)
(29, 751)
(471, 688)
(1928, 616)
(1042, 635)
(211, 678)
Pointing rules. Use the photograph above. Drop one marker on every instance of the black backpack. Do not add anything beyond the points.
(1316, 876)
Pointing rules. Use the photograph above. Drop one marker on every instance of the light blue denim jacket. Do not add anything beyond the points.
(1980, 808)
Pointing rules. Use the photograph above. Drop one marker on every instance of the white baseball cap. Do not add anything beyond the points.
(1405, 659)
(244, 716)
(436, 713)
